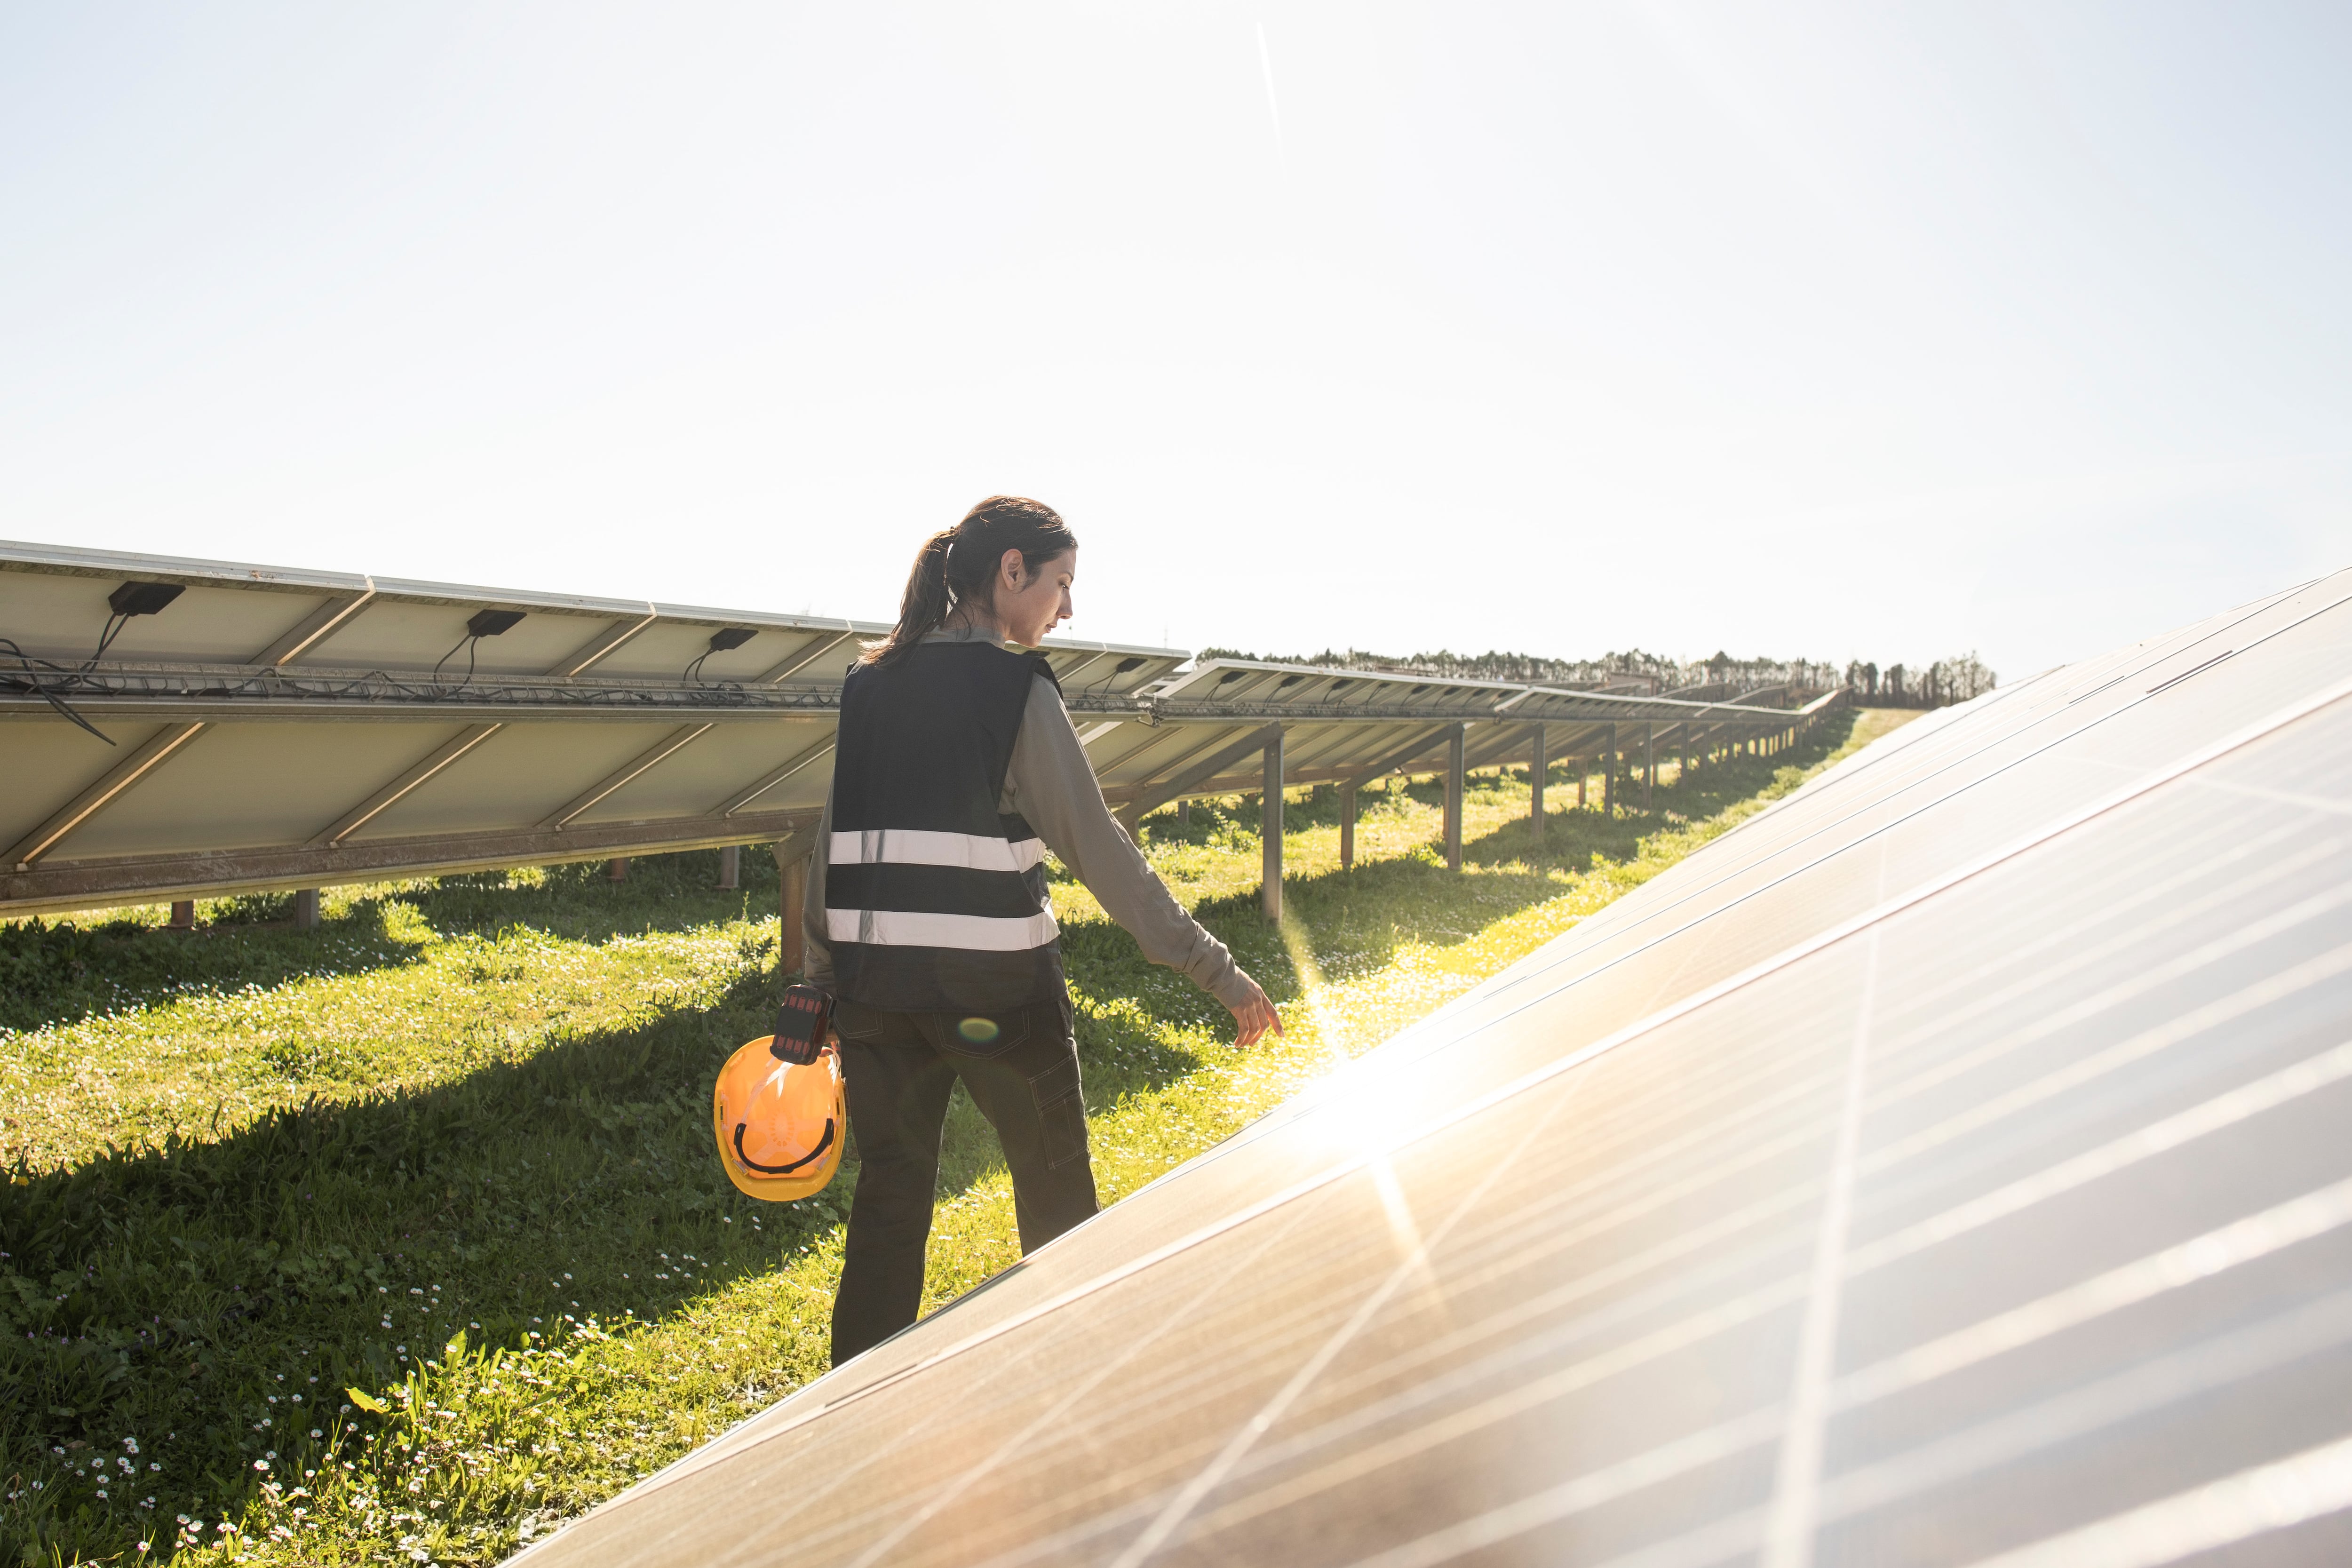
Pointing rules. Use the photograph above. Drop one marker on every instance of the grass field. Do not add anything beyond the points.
(402, 1241)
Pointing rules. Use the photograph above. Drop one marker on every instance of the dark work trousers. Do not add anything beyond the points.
(1021, 1068)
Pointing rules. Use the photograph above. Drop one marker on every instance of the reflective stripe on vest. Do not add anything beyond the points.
(915, 927)
(917, 847)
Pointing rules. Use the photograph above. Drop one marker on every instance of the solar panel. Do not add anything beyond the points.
(175, 727)
(1945, 1166)
(260, 727)
(1349, 726)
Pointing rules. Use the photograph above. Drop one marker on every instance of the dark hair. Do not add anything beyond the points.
(960, 562)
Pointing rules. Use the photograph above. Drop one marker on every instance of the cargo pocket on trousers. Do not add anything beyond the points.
(1061, 1112)
(1064, 1130)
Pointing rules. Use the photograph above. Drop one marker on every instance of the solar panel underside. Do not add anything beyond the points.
(268, 728)
(1946, 1167)
(259, 728)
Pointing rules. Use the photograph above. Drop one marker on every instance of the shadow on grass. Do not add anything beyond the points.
(166, 1296)
(59, 971)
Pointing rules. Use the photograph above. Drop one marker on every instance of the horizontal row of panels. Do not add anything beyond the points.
(1944, 1167)
(1247, 688)
(1145, 764)
(175, 763)
(55, 606)
(179, 806)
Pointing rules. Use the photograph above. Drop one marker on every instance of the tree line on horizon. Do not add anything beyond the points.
(1946, 680)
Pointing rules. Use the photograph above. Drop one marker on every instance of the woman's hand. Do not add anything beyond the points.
(1255, 1016)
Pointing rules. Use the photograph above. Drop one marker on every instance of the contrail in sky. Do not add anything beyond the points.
(1273, 106)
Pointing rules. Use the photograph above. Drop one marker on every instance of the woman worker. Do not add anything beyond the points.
(927, 918)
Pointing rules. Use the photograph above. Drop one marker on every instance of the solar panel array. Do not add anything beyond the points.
(277, 728)
(1945, 1166)
(172, 726)
(1350, 726)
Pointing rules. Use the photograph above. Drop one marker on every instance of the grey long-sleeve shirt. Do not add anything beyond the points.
(1053, 786)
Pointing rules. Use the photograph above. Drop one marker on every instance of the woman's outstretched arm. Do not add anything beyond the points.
(1053, 786)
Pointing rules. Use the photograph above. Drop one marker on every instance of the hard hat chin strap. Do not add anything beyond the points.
(750, 1164)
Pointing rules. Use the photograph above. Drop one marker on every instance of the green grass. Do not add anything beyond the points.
(403, 1240)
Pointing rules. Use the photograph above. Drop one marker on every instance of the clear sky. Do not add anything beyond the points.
(1859, 329)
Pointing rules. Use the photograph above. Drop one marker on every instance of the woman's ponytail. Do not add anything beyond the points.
(959, 563)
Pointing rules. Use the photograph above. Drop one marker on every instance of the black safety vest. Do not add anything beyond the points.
(934, 900)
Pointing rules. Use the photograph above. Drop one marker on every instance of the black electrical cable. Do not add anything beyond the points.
(469, 642)
(32, 679)
(49, 680)
(114, 625)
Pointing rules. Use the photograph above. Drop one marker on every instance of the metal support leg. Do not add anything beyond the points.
(1183, 814)
(184, 914)
(1583, 778)
(731, 866)
(1269, 831)
(1454, 745)
(793, 958)
(1649, 764)
(1347, 826)
(616, 870)
(1608, 776)
(306, 908)
(1536, 771)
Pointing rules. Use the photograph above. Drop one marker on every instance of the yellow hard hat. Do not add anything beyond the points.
(780, 1123)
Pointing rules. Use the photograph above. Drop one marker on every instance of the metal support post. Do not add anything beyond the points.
(730, 864)
(1269, 831)
(1199, 769)
(1684, 772)
(616, 870)
(1184, 813)
(1609, 775)
(1649, 764)
(184, 914)
(1583, 777)
(1536, 771)
(1347, 826)
(793, 958)
(306, 908)
(1454, 744)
